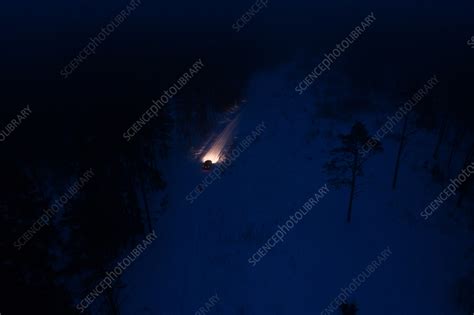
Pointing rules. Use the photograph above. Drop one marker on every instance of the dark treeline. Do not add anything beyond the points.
(76, 125)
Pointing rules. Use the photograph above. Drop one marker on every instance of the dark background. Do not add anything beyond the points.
(77, 122)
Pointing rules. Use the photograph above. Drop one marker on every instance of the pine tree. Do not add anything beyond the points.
(347, 162)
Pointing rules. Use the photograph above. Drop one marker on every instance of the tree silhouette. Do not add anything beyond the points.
(464, 189)
(347, 163)
(349, 309)
(30, 282)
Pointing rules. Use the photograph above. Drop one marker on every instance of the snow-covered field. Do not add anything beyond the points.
(202, 248)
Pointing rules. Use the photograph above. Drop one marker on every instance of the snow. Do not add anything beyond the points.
(202, 248)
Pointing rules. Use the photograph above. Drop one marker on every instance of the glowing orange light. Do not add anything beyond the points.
(216, 151)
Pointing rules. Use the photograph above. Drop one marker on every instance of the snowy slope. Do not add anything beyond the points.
(202, 248)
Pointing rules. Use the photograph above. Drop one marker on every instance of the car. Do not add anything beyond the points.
(207, 165)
